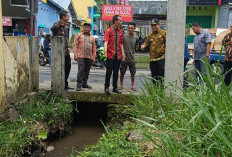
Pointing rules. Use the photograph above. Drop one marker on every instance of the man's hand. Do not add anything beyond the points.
(105, 52)
(93, 61)
(142, 47)
(123, 58)
(207, 57)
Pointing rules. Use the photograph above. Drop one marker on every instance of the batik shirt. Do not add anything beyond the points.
(228, 47)
(84, 46)
(58, 29)
(114, 37)
(156, 43)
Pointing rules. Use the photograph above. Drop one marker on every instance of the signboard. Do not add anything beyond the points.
(45, 1)
(96, 15)
(108, 11)
(6, 21)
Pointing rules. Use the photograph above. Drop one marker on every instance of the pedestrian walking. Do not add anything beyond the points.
(202, 46)
(61, 28)
(156, 43)
(130, 43)
(113, 49)
(227, 42)
(84, 52)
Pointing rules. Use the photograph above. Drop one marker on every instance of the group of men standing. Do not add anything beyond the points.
(119, 49)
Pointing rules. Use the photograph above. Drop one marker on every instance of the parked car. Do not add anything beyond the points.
(214, 58)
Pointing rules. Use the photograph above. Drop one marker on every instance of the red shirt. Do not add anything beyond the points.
(114, 43)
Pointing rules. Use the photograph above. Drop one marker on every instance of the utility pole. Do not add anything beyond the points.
(2, 71)
(174, 57)
(31, 16)
(31, 30)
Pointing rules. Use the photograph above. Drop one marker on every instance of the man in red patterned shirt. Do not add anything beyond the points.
(113, 49)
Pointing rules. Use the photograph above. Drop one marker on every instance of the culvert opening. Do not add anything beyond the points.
(89, 113)
(87, 128)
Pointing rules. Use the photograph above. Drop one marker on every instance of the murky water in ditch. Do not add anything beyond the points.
(86, 130)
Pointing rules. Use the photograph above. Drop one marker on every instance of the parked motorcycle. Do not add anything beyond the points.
(44, 58)
(100, 58)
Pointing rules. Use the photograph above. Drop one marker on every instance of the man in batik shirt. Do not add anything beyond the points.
(61, 28)
(113, 49)
(156, 43)
(84, 52)
(227, 42)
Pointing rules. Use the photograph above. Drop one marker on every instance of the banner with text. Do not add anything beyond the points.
(108, 11)
(6, 21)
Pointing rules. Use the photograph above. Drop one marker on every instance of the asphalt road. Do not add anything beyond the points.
(97, 76)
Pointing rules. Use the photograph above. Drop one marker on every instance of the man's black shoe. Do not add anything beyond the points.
(69, 88)
(117, 91)
(107, 91)
(86, 86)
(78, 89)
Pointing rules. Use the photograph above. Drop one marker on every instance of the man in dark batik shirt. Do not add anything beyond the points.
(61, 28)
(227, 42)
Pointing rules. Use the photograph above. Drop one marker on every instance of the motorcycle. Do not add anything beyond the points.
(44, 58)
(100, 58)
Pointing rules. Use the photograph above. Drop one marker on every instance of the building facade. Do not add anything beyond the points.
(16, 18)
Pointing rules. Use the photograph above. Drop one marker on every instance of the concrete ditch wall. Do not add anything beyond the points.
(20, 69)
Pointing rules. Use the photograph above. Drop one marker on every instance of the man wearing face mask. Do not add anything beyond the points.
(156, 43)
(84, 52)
(61, 28)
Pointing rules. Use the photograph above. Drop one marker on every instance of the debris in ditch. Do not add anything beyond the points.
(50, 148)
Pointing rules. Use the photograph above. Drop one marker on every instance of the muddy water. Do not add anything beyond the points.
(86, 130)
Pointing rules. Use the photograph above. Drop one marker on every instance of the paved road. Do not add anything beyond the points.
(97, 76)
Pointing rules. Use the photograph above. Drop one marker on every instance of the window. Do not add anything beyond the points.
(23, 3)
(89, 12)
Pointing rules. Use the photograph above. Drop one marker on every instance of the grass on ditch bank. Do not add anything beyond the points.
(48, 113)
(196, 123)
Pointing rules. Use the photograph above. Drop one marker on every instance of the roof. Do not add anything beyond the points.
(63, 3)
(55, 4)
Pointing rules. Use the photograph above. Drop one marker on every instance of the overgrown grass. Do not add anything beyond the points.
(197, 123)
(191, 122)
(27, 134)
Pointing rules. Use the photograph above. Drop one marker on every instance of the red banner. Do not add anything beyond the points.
(108, 11)
(6, 21)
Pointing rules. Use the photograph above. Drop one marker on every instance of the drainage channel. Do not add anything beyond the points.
(86, 130)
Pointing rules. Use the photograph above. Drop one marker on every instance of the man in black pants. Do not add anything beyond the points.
(61, 28)
(156, 43)
(113, 49)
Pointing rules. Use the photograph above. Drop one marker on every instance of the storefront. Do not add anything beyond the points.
(15, 26)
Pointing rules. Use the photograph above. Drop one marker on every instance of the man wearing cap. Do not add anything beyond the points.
(156, 43)
(84, 52)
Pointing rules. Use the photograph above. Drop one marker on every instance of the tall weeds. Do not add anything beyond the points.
(197, 123)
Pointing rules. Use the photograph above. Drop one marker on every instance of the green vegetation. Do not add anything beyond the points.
(48, 113)
(142, 62)
(191, 122)
(113, 144)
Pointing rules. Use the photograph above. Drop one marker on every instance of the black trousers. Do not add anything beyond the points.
(112, 65)
(67, 69)
(84, 65)
(157, 70)
(228, 72)
(185, 80)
